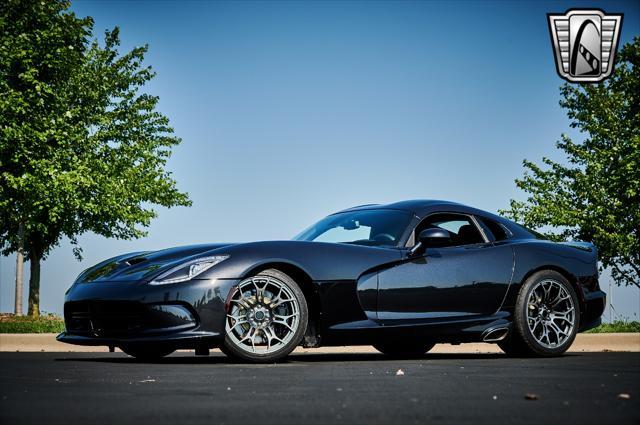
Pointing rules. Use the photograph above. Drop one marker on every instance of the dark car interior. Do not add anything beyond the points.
(461, 229)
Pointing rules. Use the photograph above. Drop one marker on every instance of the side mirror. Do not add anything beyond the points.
(434, 237)
(430, 237)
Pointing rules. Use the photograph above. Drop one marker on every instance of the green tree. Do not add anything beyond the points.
(594, 195)
(82, 147)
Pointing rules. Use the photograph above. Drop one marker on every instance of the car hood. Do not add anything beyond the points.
(137, 266)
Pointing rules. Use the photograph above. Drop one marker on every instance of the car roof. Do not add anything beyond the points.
(423, 207)
(418, 207)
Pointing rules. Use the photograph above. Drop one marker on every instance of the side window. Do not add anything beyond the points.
(499, 232)
(462, 230)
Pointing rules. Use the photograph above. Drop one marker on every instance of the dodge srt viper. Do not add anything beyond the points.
(401, 277)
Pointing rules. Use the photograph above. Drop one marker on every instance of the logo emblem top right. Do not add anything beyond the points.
(585, 44)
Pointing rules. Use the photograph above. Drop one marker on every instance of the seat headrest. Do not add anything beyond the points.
(468, 234)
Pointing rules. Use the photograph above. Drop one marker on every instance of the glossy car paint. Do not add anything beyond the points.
(356, 294)
(446, 283)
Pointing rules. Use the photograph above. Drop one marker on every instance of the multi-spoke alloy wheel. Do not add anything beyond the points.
(551, 313)
(266, 317)
(547, 316)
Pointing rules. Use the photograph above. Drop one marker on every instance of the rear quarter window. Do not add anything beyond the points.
(498, 231)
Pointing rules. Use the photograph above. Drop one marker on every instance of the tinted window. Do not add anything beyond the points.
(497, 229)
(364, 227)
(462, 230)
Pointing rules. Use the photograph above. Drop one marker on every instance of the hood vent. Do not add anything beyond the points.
(135, 260)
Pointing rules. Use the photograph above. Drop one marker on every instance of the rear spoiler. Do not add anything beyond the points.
(585, 246)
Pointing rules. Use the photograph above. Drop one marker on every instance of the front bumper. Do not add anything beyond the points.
(186, 340)
(184, 315)
(592, 309)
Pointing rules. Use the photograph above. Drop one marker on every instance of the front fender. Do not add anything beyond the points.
(321, 261)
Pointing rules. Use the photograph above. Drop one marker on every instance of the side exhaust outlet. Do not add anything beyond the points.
(495, 334)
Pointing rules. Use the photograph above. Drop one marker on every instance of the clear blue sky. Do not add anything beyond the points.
(290, 111)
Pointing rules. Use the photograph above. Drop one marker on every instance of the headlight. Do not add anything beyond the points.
(189, 270)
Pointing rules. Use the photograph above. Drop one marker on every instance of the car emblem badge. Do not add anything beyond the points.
(585, 44)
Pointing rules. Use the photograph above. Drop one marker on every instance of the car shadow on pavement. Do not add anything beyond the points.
(340, 357)
(187, 358)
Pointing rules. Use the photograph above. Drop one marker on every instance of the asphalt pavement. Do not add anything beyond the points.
(104, 388)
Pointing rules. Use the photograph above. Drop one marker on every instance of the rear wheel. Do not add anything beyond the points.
(147, 352)
(266, 318)
(403, 349)
(547, 316)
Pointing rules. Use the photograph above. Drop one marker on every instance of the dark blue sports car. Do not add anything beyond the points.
(401, 277)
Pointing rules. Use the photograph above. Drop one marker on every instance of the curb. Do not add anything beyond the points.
(592, 343)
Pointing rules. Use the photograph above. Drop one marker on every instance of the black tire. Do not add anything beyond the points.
(147, 352)
(521, 341)
(403, 350)
(233, 351)
(514, 346)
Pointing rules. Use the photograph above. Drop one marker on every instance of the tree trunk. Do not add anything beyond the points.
(19, 269)
(34, 284)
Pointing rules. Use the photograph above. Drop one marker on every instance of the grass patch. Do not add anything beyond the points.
(617, 327)
(46, 323)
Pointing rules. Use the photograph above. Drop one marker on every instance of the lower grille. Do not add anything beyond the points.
(104, 318)
(121, 319)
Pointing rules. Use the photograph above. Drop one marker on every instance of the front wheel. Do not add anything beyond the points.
(403, 349)
(547, 317)
(266, 318)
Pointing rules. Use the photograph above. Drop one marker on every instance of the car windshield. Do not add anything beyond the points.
(364, 227)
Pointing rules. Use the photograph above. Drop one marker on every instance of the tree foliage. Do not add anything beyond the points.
(82, 146)
(594, 195)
